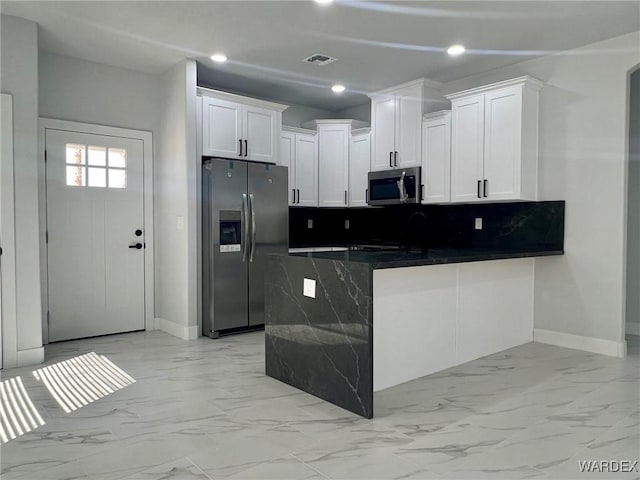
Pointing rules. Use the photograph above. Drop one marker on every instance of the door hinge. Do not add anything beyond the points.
(46, 236)
(45, 156)
(48, 318)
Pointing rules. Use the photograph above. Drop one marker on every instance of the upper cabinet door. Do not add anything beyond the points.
(287, 159)
(333, 165)
(467, 148)
(436, 159)
(408, 127)
(383, 126)
(306, 170)
(221, 128)
(359, 161)
(502, 143)
(260, 134)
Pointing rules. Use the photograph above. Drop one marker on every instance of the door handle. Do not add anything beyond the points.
(391, 159)
(479, 189)
(486, 187)
(245, 224)
(137, 246)
(253, 228)
(240, 143)
(246, 148)
(395, 159)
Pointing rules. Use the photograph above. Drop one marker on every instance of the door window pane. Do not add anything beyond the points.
(117, 157)
(97, 177)
(76, 176)
(97, 157)
(75, 154)
(117, 178)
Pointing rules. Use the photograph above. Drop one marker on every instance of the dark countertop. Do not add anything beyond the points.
(395, 258)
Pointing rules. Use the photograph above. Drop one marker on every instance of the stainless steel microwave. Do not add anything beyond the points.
(392, 187)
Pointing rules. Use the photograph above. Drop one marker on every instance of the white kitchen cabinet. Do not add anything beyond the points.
(299, 152)
(494, 141)
(359, 164)
(436, 157)
(240, 127)
(382, 132)
(333, 164)
(396, 124)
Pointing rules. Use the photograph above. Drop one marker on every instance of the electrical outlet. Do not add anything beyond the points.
(309, 288)
(346, 224)
(479, 223)
(310, 223)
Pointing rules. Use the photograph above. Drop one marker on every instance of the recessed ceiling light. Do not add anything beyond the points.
(455, 50)
(219, 58)
(338, 88)
(323, 2)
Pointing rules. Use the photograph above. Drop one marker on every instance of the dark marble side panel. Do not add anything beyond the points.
(321, 345)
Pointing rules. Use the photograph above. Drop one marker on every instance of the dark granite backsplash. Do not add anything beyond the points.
(514, 225)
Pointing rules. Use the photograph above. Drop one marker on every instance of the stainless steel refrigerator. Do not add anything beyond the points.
(245, 216)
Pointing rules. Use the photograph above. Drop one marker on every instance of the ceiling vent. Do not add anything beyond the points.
(320, 59)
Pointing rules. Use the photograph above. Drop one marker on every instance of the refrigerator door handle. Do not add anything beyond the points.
(253, 228)
(245, 225)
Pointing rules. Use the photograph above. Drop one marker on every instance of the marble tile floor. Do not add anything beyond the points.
(205, 410)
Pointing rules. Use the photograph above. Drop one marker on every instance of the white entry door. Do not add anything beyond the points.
(95, 231)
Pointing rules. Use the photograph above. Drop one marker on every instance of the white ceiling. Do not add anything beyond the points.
(378, 44)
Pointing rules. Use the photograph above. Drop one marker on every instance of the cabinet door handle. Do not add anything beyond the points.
(391, 159)
(366, 195)
(395, 158)
(246, 148)
(240, 143)
(479, 182)
(298, 196)
(486, 188)
(293, 191)
(345, 197)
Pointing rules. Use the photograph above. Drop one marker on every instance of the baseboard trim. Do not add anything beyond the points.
(181, 331)
(30, 356)
(578, 342)
(632, 328)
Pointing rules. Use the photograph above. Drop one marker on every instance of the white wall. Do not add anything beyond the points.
(19, 77)
(174, 206)
(296, 115)
(582, 160)
(633, 210)
(359, 112)
(89, 92)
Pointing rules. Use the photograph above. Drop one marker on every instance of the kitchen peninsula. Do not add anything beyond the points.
(342, 325)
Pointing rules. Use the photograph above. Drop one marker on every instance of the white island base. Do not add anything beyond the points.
(434, 317)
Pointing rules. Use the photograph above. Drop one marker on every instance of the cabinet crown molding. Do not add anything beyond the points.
(305, 131)
(425, 82)
(314, 124)
(232, 97)
(436, 115)
(524, 81)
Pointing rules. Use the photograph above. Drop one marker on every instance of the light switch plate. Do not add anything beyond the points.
(180, 223)
(310, 223)
(479, 223)
(309, 288)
